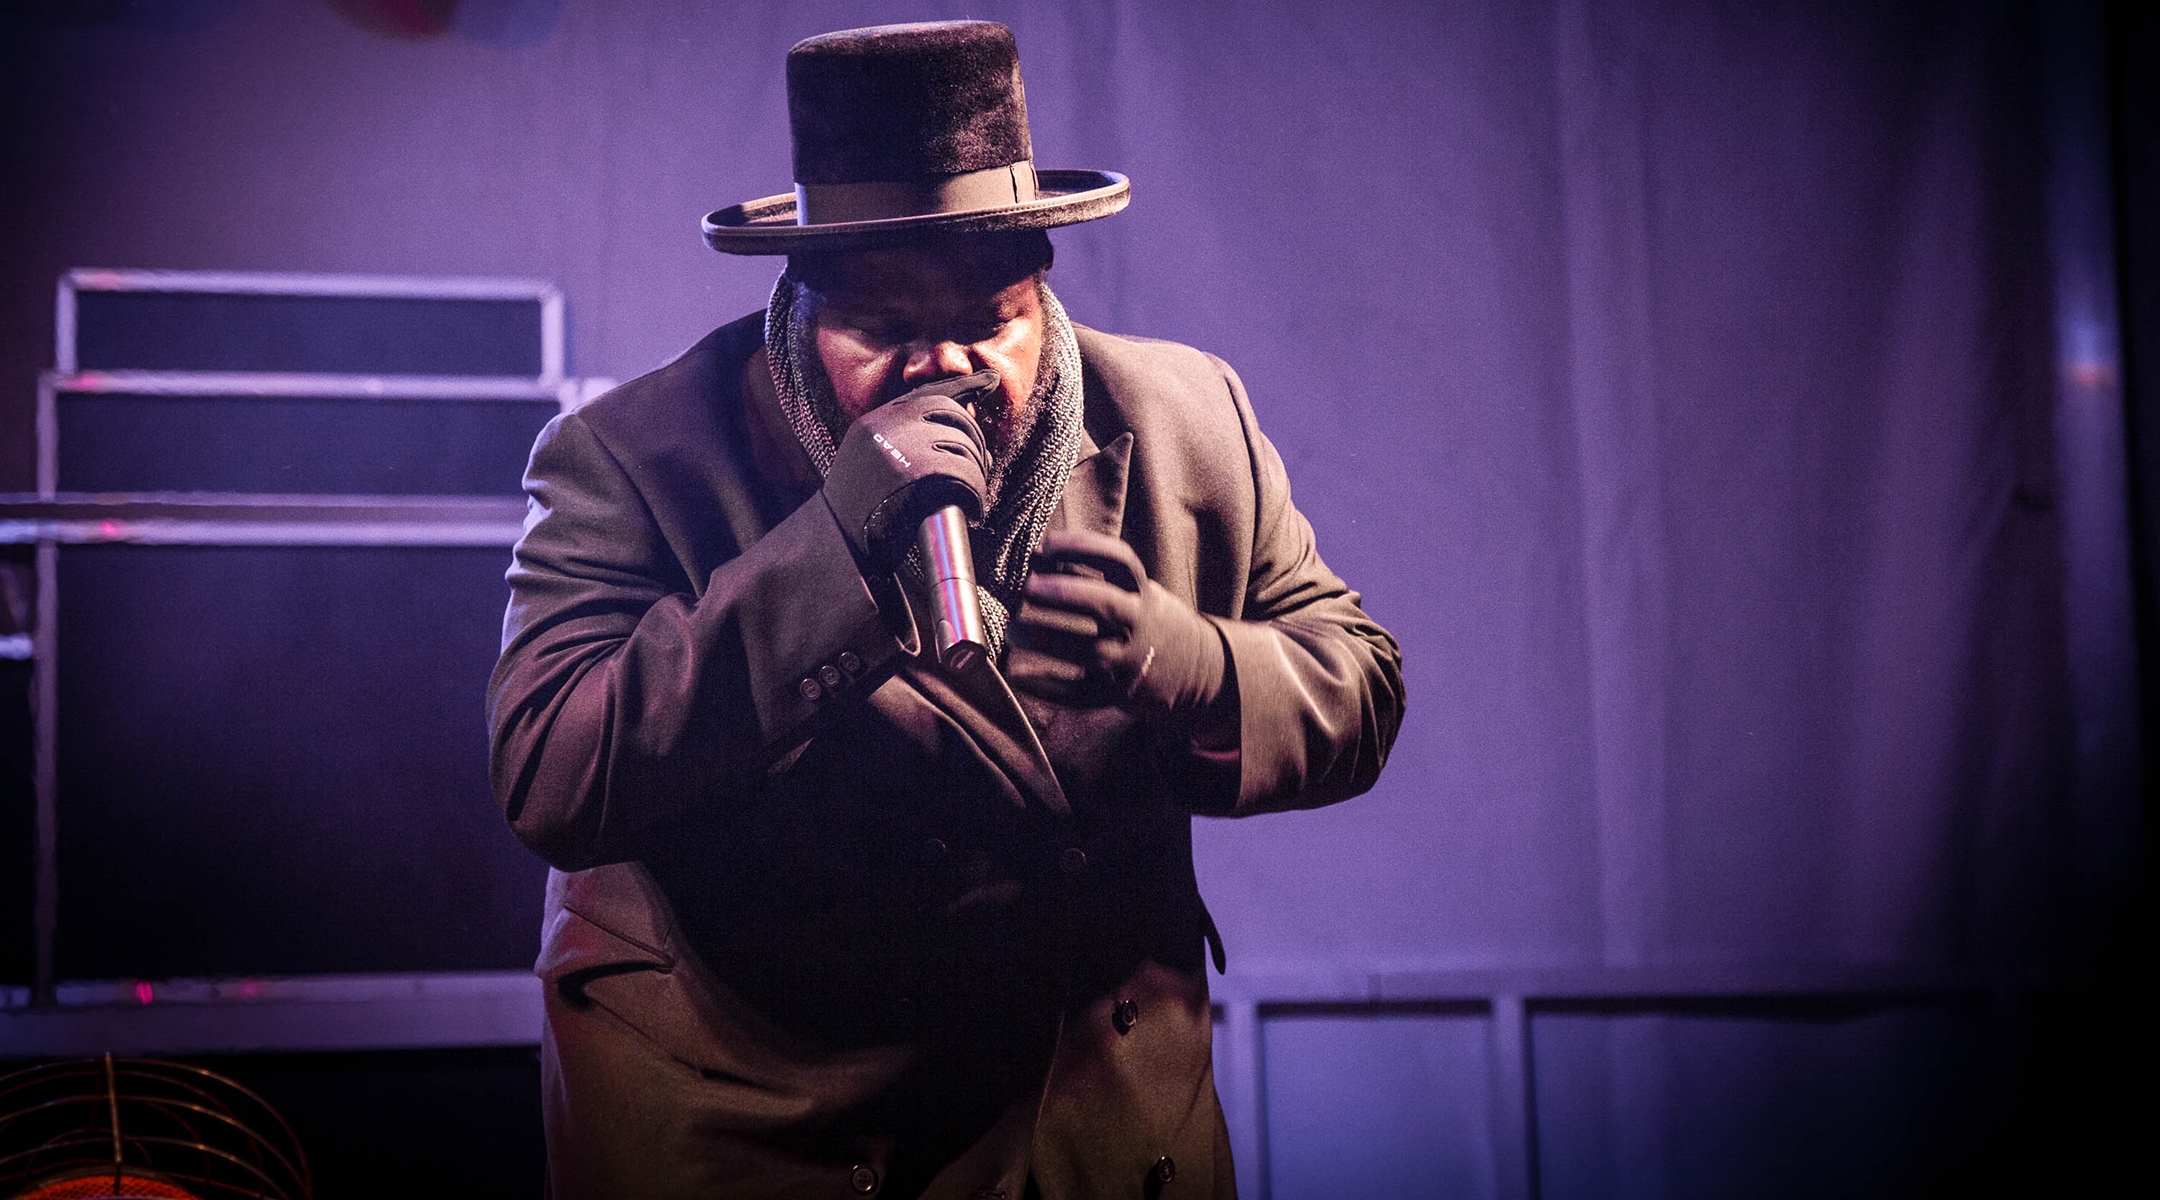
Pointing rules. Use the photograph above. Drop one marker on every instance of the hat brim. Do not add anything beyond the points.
(768, 226)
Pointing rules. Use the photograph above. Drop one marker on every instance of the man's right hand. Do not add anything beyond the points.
(904, 460)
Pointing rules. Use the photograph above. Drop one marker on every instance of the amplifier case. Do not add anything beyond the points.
(272, 521)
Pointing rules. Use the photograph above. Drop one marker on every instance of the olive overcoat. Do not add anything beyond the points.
(825, 921)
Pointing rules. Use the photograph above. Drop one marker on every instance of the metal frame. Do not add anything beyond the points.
(265, 283)
(565, 394)
(275, 1014)
(236, 519)
(1508, 999)
(44, 771)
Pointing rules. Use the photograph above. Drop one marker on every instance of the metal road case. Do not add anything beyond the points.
(272, 519)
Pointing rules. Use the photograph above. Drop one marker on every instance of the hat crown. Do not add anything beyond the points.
(906, 102)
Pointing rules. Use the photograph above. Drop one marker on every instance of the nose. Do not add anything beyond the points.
(928, 362)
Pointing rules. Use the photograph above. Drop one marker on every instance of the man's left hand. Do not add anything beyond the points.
(1095, 630)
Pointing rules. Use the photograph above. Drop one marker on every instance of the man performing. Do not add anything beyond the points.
(833, 913)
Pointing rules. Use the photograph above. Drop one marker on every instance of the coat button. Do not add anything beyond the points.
(829, 675)
(864, 1180)
(1125, 1015)
(1073, 861)
(934, 850)
(1165, 1169)
(810, 690)
(851, 662)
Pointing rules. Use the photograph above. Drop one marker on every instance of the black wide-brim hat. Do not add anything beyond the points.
(908, 131)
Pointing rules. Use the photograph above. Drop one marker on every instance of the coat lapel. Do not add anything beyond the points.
(1095, 494)
(980, 699)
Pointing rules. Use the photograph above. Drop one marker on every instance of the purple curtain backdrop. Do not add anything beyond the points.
(1674, 382)
(1675, 379)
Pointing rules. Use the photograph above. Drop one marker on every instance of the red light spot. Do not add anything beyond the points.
(143, 994)
(109, 529)
(2092, 374)
(251, 988)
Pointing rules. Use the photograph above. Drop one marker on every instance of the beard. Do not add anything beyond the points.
(1011, 433)
(1006, 433)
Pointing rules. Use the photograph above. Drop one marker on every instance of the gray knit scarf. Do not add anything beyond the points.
(1025, 486)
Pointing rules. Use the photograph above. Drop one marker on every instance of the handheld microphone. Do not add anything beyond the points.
(949, 563)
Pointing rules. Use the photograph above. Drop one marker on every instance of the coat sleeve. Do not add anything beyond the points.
(624, 693)
(1319, 683)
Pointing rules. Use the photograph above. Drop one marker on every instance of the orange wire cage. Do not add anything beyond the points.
(142, 1129)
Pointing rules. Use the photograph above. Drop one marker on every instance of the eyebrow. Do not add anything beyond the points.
(880, 309)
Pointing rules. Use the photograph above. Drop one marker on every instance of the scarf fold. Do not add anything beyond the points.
(1025, 487)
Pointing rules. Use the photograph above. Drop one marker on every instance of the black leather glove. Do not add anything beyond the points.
(1096, 630)
(904, 460)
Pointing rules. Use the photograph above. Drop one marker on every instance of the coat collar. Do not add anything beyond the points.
(1095, 492)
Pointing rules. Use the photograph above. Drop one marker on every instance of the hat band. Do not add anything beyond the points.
(969, 191)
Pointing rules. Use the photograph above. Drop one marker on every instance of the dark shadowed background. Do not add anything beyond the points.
(1723, 404)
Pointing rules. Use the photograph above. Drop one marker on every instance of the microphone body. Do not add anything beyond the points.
(956, 611)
